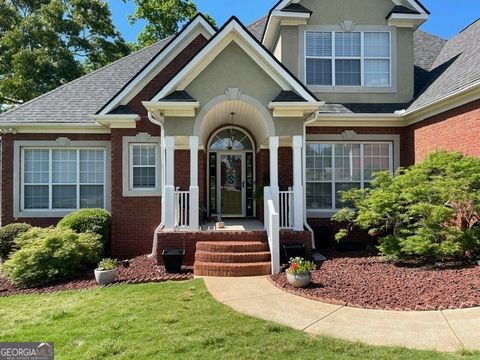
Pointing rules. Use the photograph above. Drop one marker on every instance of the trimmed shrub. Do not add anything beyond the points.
(51, 254)
(429, 212)
(97, 221)
(8, 233)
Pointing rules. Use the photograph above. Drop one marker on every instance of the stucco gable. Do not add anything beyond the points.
(234, 32)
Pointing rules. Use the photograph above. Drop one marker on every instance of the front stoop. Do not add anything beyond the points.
(232, 258)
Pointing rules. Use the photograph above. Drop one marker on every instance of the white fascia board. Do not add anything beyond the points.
(290, 14)
(171, 108)
(53, 128)
(252, 48)
(296, 105)
(458, 98)
(197, 27)
(117, 121)
(407, 20)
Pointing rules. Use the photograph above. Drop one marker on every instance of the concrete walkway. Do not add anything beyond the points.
(449, 330)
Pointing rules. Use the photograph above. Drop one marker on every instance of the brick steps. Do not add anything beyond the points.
(232, 246)
(232, 258)
(232, 270)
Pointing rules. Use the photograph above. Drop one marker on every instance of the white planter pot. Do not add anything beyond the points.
(105, 277)
(299, 281)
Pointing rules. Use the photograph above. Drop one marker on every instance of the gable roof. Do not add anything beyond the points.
(75, 101)
(265, 59)
(455, 68)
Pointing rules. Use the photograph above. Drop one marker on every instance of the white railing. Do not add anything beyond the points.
(182, 209)
(286, 209)
(272, 226)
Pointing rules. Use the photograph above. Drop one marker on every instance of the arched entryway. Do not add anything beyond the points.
(231, 173)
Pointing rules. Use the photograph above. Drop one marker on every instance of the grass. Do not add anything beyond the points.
(169, 321)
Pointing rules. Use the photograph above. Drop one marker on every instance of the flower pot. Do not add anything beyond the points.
(299, 280)
(105, 277)
(173, 260)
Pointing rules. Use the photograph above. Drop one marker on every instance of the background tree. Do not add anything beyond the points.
(46, 43)
(162, 17)
(428, 212)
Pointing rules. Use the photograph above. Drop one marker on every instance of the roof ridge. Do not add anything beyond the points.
(468, 26)
(257, 21)
(82, 77)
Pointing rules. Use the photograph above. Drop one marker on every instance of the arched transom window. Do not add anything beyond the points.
(231, 139)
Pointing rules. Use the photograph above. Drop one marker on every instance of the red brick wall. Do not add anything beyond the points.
(285, 173)
(7, 172)
(454, 130)
(165, 75)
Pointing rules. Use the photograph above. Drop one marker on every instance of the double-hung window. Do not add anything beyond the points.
(347, 58)
(62, 179)
(335, 167)
(143, 160)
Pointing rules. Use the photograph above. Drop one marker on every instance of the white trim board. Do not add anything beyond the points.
(127, 176)
(234, 31)
(199, 26)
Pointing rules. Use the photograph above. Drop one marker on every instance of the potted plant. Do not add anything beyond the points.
(106, 272)
(299, 273)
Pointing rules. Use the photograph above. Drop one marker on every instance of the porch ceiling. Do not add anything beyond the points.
(246, 116)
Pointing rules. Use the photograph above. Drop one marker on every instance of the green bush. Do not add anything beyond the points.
(97, 221)
(8, 233)
(428, 212)
(51, 254)
(108, 264)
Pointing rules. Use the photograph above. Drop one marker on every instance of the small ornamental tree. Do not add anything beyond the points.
(428, 212)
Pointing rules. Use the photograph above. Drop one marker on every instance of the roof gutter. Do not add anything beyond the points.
(460, 97)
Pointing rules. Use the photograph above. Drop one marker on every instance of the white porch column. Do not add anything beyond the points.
(194, 192)
(273, 147)
(169, 217)
(298, 206)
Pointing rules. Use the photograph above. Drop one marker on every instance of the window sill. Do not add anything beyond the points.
(142, 193)
(53, 214)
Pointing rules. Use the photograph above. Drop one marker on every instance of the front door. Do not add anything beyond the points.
(231, 187)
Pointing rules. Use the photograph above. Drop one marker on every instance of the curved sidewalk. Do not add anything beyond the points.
(448, 330)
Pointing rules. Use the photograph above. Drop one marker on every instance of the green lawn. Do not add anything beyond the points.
(166, 321)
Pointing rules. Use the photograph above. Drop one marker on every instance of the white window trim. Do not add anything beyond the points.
(350, 137)
(302, 61)
(127, 168)
(59, 144)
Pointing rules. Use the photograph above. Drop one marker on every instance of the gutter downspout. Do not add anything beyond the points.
(151, 117)
(309, 120)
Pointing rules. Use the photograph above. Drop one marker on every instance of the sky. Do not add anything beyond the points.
(448, 16)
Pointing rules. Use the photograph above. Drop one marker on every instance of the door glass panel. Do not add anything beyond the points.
(231, 184)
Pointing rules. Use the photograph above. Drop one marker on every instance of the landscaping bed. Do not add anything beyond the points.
(141, 270)
(366, 281)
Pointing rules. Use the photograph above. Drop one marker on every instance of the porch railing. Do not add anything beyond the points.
(272, 227)
(182, 209)
(286, 209)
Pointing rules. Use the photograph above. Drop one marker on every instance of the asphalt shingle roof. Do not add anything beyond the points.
(75, 101)
(441, 67)
(455, 67)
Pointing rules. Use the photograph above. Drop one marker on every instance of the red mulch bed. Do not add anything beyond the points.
(373, 283)
(141, 270)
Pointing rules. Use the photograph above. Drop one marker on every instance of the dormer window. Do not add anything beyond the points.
(348, 58)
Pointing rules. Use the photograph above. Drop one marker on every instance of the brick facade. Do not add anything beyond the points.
(454, 130)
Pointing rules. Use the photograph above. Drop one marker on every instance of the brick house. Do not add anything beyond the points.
(312, 99)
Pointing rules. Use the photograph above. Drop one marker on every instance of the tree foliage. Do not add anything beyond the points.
(428, 212)
(163, 18)
(46, 43)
